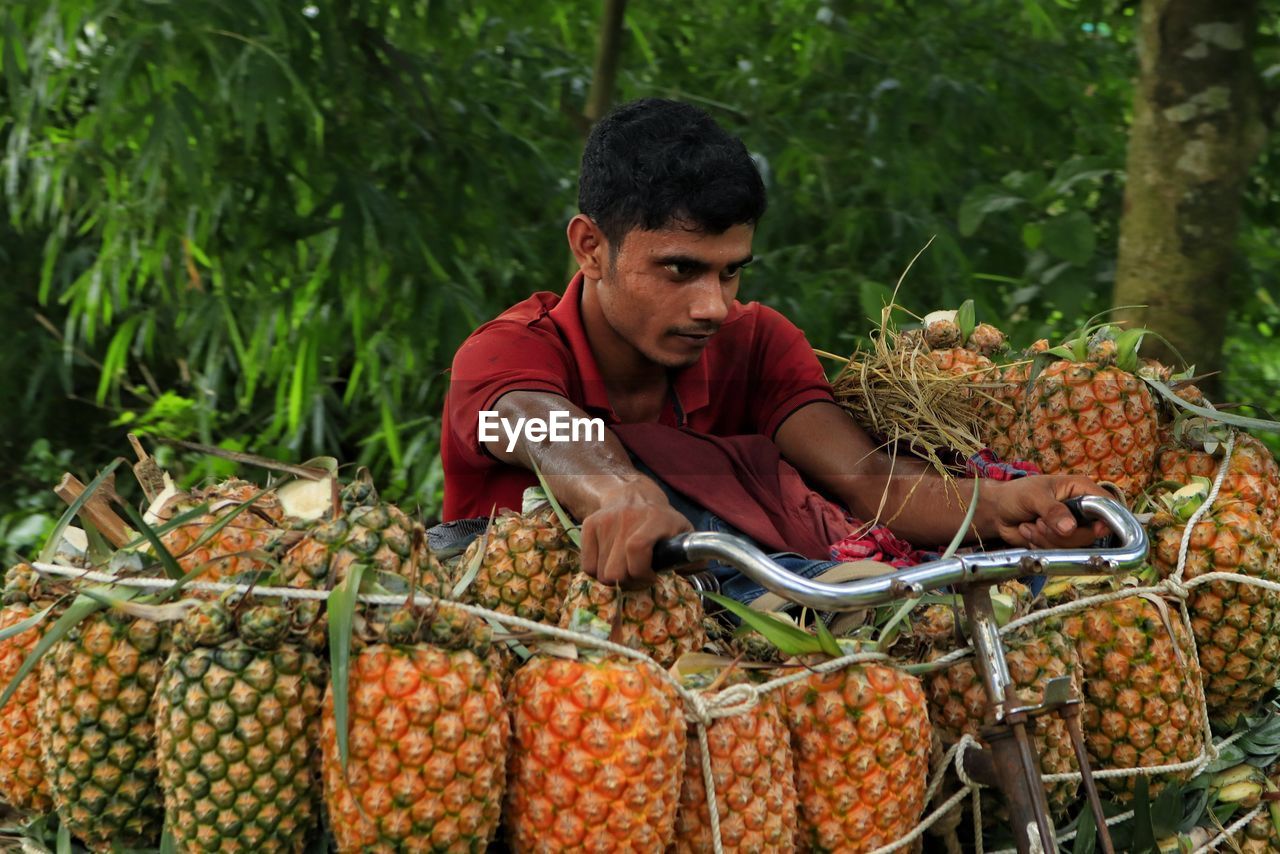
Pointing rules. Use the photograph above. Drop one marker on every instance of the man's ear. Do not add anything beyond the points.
(589, 246)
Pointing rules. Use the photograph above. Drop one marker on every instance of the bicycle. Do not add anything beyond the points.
(1010, 763)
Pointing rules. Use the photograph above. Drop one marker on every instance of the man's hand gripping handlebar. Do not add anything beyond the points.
(1128, 550)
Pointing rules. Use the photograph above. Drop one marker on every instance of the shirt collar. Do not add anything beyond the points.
(691, 385)
(567, 316)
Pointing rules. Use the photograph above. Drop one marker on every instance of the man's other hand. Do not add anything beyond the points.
(1029, 511)
(618, 538)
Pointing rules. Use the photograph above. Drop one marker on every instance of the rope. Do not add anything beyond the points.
(701, 710)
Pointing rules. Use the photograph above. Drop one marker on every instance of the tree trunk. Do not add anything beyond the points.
(1196, 132)
(608, 48)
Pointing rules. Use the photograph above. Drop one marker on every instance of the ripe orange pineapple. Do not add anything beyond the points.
(1143, 701)
(1236, 626)
(598, 757)
(664, 621)
(1253, 475)
(755, 788)
(527, 565)
(240, 545)
(22, 778)
(861, 738)
(428, 737)
(1090, 414)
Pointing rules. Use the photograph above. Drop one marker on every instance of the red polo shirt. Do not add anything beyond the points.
(753, 373)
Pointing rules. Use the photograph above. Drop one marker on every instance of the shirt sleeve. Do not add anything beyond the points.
(497, 359)
(789, 374)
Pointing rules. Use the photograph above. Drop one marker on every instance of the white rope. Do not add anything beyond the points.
(1230, 831)
(702, 709)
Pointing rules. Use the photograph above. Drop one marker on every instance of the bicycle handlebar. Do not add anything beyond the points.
(963, 569)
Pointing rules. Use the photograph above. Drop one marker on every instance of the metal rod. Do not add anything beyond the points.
(965, 569)
(1071, 716)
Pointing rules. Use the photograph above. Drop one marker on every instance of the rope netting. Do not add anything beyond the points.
(702, 708)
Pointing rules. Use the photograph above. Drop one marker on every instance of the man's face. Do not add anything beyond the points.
(666, 292)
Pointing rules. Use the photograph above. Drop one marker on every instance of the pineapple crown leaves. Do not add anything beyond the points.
(472, 569)
(574, 531)
(1231, 418)
(342, 612)
(789, 639)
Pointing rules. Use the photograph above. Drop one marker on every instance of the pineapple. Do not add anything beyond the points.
(966, 355)
(862, 740)
(22, 779)
(958, 703)
(239, 546)
(1143, 702)
(1253, 475)
(428, 733)
(755, 786)
(664, 621)
(1090, 414)
(237, 726)
(367, 531)
(1236, 626)
(526, 568)
(1000, 428)
(598, 757)
(96, 720)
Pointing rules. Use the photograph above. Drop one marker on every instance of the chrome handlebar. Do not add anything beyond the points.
(963, 569)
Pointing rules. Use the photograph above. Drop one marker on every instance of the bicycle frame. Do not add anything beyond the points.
(1011, 764)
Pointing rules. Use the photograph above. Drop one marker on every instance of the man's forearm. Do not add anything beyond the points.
(582, 475)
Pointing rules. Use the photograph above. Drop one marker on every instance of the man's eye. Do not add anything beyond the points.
(679, 269)
(730, 272)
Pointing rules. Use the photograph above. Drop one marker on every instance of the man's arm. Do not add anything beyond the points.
(623, 512)
(825, 444)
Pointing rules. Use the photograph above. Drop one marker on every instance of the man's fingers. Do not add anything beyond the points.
(1057, 519)
(590, 550)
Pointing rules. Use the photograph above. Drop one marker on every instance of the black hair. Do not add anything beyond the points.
(653, 162)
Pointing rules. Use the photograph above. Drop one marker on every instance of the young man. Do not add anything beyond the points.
(649, 337)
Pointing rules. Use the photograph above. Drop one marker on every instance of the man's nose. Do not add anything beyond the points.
(709, 302)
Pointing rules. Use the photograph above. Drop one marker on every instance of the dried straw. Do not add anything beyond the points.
(904, 400)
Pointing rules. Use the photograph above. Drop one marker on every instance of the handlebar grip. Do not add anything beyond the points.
(669, 553)
(1076, 506)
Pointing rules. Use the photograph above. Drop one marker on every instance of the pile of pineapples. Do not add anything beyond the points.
(217, 718)
(255, 721)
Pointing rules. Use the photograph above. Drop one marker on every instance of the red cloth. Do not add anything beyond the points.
(754, 372)
(878, 543)
(745, 481)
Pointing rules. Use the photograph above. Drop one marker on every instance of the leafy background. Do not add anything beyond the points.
(267, 226)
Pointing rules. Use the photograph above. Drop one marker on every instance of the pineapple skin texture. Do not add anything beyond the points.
(1236, 626)
(95, 708)
(237, 739)
(751, 765)
(527, 566)
(958, 702)
(861, 742)
(663, 621)
(22, 778)
(226, 553)
(428, 745)
(1143, 698)
(598, 759)
(1080, 418)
